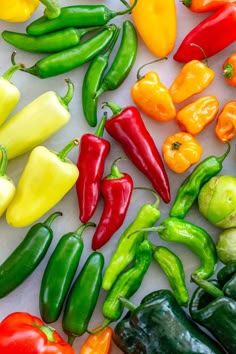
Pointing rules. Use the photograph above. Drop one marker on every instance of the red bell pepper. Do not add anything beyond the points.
(22, 333)
(213, 34)
(116, 189)
(91, 161)
(127, 127)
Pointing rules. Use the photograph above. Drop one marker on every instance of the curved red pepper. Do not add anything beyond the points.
(20, 332)
(127, 127)
(213, 34)
(116, 189)
(91, 162)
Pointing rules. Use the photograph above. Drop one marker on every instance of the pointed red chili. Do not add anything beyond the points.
(91, 161)
(127, 127)
(116, 189)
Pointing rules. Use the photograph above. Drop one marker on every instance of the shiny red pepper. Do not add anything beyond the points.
(20, 332)
(91, 161)
(213, 34)
(127, 127)
(116, 189)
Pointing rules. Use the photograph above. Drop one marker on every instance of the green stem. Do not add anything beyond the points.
(4, 161)
(48, 331)
(65, 151)
(113, 107)
(71, 339)
(52, 10)
(115, 172)
(129, 9)
(127, 303)
(8, 74)
(203, 52)
(157, 202)
(51, 218)
(101, 328)
(70, 92)
(100, 128)
(207, 286)
(140, 77)
(146, 229)
(221, 158)
(228, 71)
(79, 231)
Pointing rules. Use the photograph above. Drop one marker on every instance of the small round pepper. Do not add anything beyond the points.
(180, 151)
(229, 70)
(225, 128)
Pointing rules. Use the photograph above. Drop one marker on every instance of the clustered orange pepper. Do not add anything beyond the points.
(180, 151)
(99, 343)
(229, 70)
(194, 117)
(225, 128)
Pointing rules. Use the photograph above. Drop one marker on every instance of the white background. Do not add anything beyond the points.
(25, 297)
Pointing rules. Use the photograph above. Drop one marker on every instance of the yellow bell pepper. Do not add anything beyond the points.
(45, 180)
(7, 186)
(10, 94)
(156, 23)
(36, 122)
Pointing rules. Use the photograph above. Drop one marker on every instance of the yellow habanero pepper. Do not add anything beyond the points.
(152, 97)
(7, 186)
(194, 117)
(225, 128)
(36, 122)
(180, 151)
(45, 180)
(156, 23)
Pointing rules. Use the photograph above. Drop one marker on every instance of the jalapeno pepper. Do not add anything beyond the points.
(76, 16)
(127, 247)
(83, 297)
(27, 256)
(127, 127)
(116, 189)
(189, 190)
(59, 273)
(93, 151)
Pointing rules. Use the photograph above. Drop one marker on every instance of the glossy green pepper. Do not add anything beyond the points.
(160, 325)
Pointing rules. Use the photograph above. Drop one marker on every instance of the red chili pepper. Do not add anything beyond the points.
(91, 161)
(116, 189)
(213, 34)
(127, 127)
(20, 332)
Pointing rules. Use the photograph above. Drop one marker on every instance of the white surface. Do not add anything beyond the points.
(25, 297)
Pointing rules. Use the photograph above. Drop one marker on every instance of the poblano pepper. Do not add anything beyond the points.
(211, 308)
(160, 325)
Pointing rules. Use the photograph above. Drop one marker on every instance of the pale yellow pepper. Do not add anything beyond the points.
(7, 186)
(45, 180)
(156, 23)
(36, 122)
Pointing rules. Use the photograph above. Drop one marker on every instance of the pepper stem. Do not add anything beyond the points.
(65, 151)
(139, 77)
(207, 286)
(221, 158)
(113, 107)
(4, 161)
(100, 128)
(157, 202)
(129, 9)
(52, 10)
(70, 92)
(8, 74)
(82, 227)
(127, 303)
(228, 71)
(115, 172)
(106, 323)
(203, 52)
(51, 218)
(146, 229)
(71, 339)
(48, 331)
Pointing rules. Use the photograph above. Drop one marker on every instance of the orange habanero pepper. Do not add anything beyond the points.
(194, 117)
(225, 128)
(229, 70)
(180, 151)
(99, 343)
(152, 97)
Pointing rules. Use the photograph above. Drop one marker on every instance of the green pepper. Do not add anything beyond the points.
(196, 238)
(76, 16)
(47, 43)
(27, 256)
(83, 297)
(59, 273)
(92, 80)
(211, 308)
(227, 278)
(189, 190)
(160, 325)
(127, 247)
(172, 266)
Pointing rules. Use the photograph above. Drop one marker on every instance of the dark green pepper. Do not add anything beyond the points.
(127, 247)
(196, 238)
(59, 273)
(27, 256)
(160, 325)
(83, 297)
(215, 311)
(189, 190)
(227, 278)
(76, 16)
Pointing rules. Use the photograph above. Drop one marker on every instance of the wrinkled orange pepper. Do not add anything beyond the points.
(229, 70)
(99, 343)
(193, 78)
(152, 97)
(180, 151)
(225, 128)
(194, 117)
